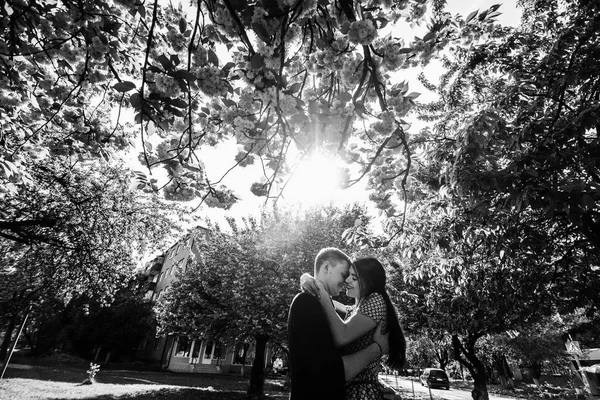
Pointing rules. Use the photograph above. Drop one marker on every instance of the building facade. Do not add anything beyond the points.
(181, 354)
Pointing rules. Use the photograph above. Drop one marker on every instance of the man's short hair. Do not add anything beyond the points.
(330, 253)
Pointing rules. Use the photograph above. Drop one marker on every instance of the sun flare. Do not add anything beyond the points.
(316, 179)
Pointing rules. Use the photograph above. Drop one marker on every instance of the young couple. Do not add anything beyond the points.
(339, 359)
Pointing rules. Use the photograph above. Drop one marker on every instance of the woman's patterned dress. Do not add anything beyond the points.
(365, 385)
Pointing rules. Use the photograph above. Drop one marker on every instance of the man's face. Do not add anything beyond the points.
(336, 273)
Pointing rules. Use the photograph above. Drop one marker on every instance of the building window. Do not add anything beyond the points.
(240, 353)
(212, 350)
(183, 347)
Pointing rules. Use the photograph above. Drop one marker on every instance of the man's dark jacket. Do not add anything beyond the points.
(316, 366)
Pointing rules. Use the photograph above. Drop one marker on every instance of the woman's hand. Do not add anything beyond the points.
(310, 285)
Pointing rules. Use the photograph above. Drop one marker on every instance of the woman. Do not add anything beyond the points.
(372, 305)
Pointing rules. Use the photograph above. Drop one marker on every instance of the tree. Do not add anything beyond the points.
(540, 344)
(76, 232)
(505, 194)
(243, 281)
(273, 76)
(517, 131)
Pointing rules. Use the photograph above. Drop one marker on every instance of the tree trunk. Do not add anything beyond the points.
(468, 357)
(257, 377)
(8, 336)
(479, 391)
(535, 370)
(504, 373)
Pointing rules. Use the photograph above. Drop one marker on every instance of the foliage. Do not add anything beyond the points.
(517, 132)
(504, 202)
(419, 352)
(118, 328)
(278, 77)
(539, 345)
(77, 231)
(461, 286)
(242, 281)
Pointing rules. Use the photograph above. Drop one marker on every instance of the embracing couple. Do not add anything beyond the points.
(339, 358)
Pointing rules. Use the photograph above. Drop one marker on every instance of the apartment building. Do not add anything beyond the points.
(181, 354)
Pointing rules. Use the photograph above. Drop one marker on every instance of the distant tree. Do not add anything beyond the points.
(461, 283)
(419, 352)
(243, 281)
(77, 231)
(116, 328)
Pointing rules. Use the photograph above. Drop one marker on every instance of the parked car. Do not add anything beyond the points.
(435, 377)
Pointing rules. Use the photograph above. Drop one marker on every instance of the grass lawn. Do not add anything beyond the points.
(63, 382)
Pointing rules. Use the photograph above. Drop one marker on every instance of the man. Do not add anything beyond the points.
(318, 370)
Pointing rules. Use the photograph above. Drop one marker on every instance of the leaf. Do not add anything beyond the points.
(345, 28)
(212, 58)
(412, 96)
(142, 11)
(228, 102)
(182, 25)
(135, 100)
(257, 61)
(471, 16)
(124, 86)
(295, 87)
(178, 103)
(165, 62)
(228, 66)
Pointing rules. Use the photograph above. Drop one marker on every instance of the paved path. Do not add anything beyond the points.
(422, 392)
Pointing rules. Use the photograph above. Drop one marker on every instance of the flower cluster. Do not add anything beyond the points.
(243, 123)
(177, 40)
(210, 81)
(386, 123)
(200, 56)
(362, 32)
(225, 21)
(392, 57)
(417, 11)
(352, 71)
(400, 105)
(164, 84)
(98, 49)
(244, 159)
(270, 26)
(308, 8)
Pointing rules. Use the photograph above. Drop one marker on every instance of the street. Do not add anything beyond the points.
(422, 392)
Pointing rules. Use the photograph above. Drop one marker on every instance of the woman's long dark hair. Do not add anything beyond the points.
(372, 279)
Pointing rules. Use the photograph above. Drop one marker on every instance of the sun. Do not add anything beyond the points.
(316, 179)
